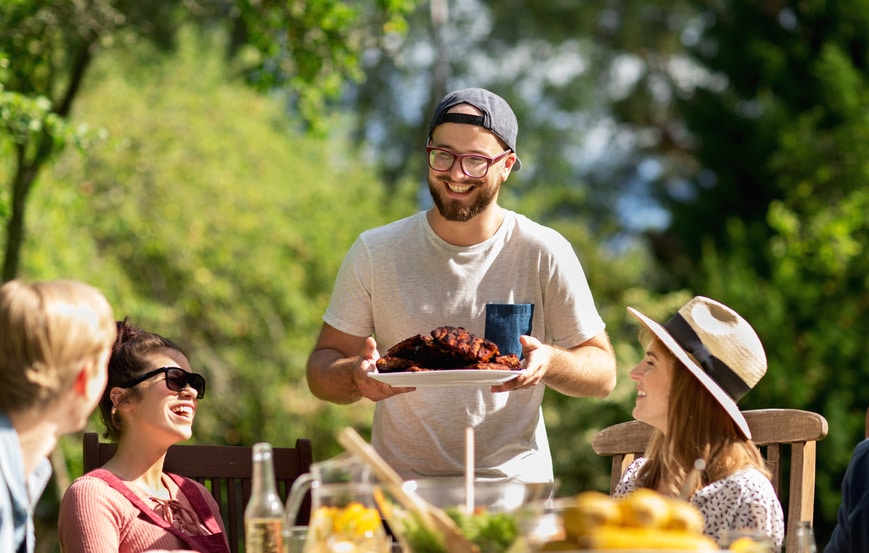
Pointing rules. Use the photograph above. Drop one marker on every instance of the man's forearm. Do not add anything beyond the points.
(587, 371)
(330, 377)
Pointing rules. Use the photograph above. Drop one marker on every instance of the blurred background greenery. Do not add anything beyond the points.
(207, 164)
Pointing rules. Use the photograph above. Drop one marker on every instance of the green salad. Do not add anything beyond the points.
(491, 532)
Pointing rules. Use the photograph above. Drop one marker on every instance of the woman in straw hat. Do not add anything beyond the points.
(696, 367)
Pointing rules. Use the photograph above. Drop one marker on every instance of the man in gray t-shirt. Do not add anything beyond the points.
(467, 262)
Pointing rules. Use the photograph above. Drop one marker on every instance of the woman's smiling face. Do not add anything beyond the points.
(161, 410)
(653, 376)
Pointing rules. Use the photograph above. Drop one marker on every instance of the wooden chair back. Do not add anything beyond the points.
(225, 470)
(775, 431)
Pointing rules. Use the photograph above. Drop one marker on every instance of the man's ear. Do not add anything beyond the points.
(82, 378)
(508, 166)
(88, 383)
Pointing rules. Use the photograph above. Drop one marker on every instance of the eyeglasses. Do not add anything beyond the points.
(475, 166)
(177, 379)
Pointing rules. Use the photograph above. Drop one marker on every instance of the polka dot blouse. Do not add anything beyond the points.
(745, 500)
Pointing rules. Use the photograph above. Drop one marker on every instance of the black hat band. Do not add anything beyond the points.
(689, 341)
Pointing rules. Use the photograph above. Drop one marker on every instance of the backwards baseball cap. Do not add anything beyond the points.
(497, 116)
(718, 347)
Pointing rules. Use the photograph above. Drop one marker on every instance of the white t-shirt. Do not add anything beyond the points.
(401, 279)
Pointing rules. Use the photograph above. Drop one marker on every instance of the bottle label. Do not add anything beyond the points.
(263, 536)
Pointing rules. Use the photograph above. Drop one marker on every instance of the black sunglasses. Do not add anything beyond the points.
(176, 380)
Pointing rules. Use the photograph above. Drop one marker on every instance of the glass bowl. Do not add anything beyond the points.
(496, 524)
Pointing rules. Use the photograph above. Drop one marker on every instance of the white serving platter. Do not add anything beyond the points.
(456, 377)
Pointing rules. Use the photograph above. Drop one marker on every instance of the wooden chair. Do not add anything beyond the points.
(225, 470)
(773, 430)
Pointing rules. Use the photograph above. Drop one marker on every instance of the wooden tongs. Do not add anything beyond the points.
(434, 519)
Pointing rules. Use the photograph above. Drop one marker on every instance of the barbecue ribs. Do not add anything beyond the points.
(447, 348)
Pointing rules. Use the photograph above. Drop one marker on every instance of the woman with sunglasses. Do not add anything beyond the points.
(130, 505)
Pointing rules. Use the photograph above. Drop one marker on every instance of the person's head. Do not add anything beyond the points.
(701, 362)
(55, 338)
(713, 357)
(480, 125)
(150, 383)
(671, 399)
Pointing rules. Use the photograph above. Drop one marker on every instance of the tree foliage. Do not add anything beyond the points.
(765, 182)
(222, 221)
(304, 47)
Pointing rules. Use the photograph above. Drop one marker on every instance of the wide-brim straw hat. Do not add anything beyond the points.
(718, 346)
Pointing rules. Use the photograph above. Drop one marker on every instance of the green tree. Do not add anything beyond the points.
(308, 48)
(766, 190)
(221, 221)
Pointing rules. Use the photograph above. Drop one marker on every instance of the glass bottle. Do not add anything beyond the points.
(806, 537)
(263, 515)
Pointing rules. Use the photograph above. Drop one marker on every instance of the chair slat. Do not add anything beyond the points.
(774, 463)
(235, 512)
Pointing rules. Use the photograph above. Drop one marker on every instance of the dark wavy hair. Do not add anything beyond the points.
(129, 359)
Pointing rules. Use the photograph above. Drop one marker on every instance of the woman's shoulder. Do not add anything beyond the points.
(751, 475)
(87, 484)
(90, 492)
(749, 484)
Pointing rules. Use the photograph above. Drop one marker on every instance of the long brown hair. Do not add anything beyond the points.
(698, 427)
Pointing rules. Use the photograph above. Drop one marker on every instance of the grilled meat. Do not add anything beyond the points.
(464, 345)
(410, 347)
(390, 364)
(447, 348)
(511, 361)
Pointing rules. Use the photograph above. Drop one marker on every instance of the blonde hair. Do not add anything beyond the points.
(698, 427)
(48, 330)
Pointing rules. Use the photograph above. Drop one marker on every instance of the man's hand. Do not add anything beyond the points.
(535, 360)
(586, 370)
(369, 387)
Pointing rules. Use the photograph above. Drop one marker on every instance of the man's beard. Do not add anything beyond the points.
(454, 210)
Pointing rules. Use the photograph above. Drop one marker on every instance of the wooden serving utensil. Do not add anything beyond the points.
(434, 519)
